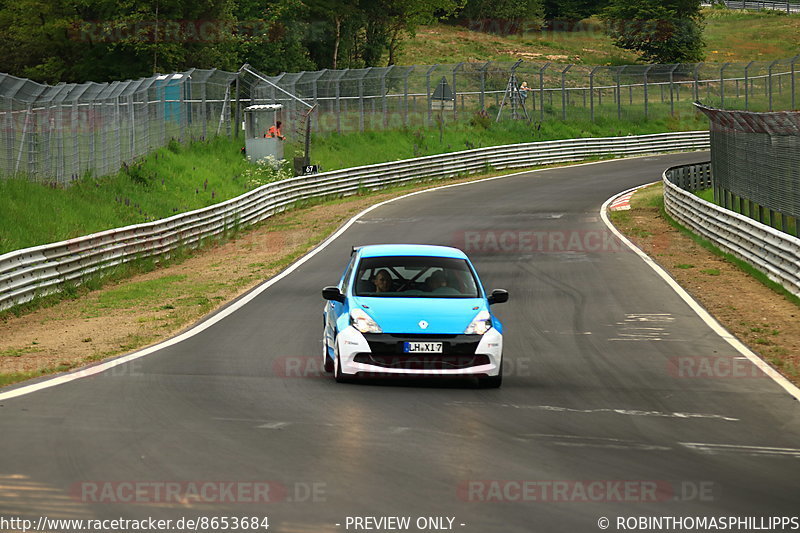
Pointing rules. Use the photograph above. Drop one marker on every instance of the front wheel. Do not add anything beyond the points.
(492, 382)
(327, 362)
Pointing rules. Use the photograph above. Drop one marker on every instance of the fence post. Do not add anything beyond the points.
(361, 99)
(591, 93)
(722, 84)
(769, 82)
(428, 88)
(619, 92)
(405, 95)
(645, 89)
(746, 85)
(564, 92)
(203, 109)
(541, 88)
(383, 96)
(482, 96)
(794, 59)
(697, 81)
(455, 91)
(671, 96)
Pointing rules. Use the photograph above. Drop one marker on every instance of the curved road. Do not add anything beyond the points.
(601, 414)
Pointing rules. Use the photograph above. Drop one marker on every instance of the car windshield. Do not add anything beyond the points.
(415, 277)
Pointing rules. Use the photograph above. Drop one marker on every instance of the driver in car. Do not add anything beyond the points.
(382, 281)
(435, 281)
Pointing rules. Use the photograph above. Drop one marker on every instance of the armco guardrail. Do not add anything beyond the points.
(25, 274)
(775, 253)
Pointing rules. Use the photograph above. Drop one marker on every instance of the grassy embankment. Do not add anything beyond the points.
(731, 35)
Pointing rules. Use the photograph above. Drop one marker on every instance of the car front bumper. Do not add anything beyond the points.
(381, 354)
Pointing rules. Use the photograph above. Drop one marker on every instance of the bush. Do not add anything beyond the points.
(266, 171)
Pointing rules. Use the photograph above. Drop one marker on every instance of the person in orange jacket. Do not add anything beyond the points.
(275, 131)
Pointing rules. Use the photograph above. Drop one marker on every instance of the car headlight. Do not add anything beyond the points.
(363, 322)
(480, 324)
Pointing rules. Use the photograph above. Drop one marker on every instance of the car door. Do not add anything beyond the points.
(333, 309)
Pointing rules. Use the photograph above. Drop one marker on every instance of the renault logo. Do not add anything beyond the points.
(423, 324)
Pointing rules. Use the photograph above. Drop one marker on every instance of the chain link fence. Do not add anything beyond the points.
(420, 95)
(59, 133)
(758, 5)
(755, 163)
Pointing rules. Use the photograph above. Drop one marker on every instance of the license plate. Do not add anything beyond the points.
(422, 347)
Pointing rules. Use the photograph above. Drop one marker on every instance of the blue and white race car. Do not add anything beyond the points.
(409, 309)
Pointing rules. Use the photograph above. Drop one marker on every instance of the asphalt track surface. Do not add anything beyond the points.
(592, 393)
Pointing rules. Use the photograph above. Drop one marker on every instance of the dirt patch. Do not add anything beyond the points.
(762, 319)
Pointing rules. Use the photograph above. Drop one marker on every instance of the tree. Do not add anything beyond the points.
(572, 10)
(662, 31)
(512, 10)
(270, 36)
(388, 21)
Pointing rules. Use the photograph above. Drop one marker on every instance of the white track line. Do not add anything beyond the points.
(787, 385)
(244, 300)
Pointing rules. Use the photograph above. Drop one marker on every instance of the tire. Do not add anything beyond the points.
(327, 362)
(492, 382)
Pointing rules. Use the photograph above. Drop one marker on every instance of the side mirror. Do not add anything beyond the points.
(498, 296)
(333, 293)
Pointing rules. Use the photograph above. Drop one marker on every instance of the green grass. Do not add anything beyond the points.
(736, 35)
(730, 35)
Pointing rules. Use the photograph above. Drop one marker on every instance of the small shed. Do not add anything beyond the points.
(257, 121)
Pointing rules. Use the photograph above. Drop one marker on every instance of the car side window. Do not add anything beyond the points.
(347, 273)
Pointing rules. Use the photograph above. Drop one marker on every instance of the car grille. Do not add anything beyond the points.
(458, 351)
(422, 361)
(392, 344)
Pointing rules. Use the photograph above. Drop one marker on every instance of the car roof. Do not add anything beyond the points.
(427, 250)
